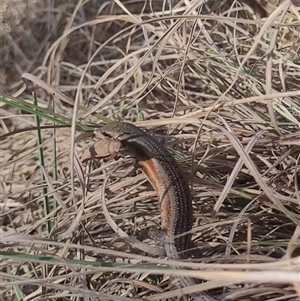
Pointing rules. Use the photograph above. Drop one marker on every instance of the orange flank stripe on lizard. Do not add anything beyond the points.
(159, 186)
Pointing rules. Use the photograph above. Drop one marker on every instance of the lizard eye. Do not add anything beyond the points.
(106, 134)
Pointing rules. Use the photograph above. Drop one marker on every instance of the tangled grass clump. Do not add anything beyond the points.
(220, 80)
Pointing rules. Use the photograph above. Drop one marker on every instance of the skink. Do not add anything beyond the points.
(163, 172)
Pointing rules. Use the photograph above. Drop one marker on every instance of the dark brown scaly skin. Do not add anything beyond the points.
(171, 188)
(176, 193)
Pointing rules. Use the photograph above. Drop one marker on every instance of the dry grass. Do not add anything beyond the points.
(224, 85)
